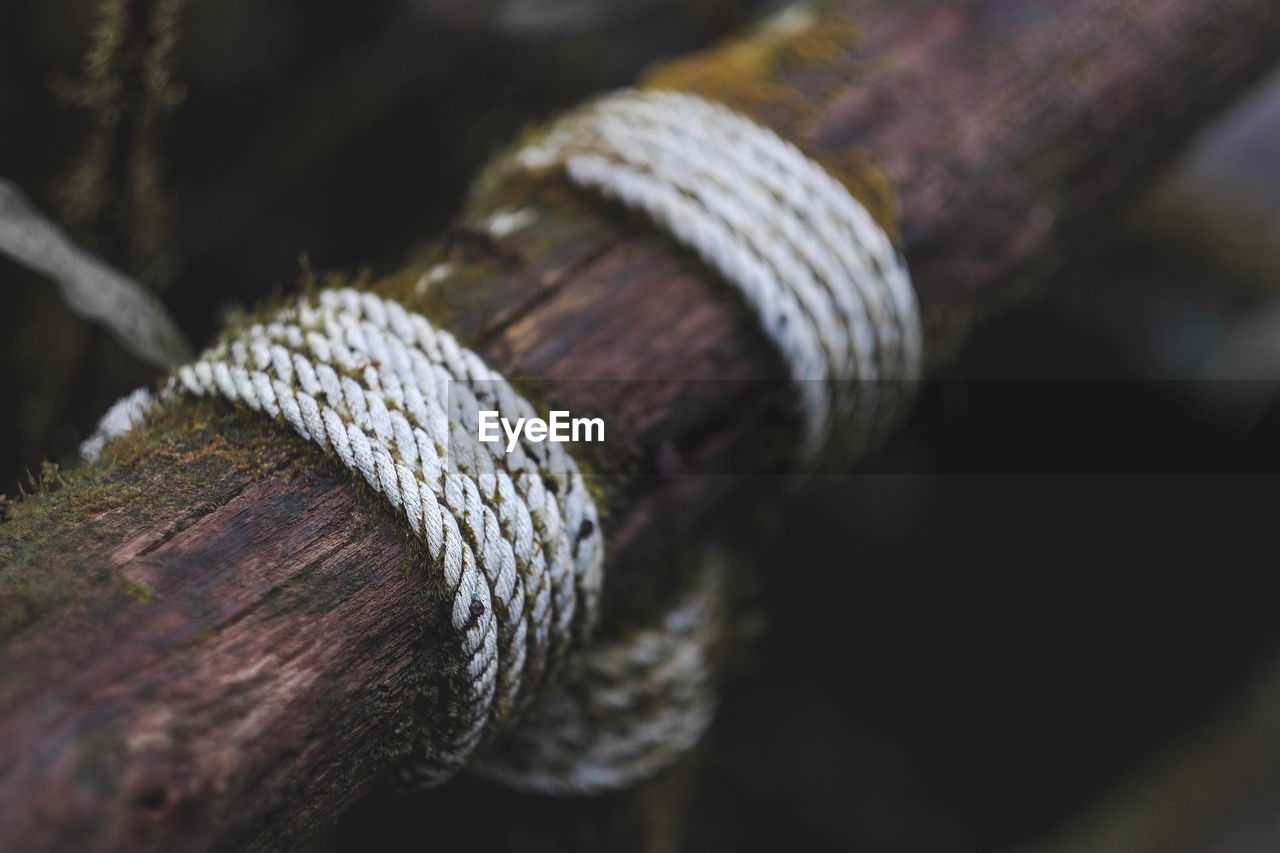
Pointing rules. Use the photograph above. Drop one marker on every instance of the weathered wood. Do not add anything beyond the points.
(218, 637)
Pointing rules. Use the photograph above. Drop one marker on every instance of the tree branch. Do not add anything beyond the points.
(217, 637)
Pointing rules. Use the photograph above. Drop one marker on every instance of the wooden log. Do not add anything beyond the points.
(217, 638)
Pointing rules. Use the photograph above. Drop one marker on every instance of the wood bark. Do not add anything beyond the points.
(217, 638)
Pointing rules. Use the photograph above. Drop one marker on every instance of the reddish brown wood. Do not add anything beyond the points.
(221, 640)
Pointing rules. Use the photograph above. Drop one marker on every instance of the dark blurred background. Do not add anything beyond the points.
(1057, 573)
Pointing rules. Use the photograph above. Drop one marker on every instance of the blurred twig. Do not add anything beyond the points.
(91, 288)
(112, 196)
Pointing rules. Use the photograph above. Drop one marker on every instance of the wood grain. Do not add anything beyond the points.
(218, 639)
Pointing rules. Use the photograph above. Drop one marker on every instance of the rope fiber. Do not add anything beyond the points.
(516, 535)
(822, 277)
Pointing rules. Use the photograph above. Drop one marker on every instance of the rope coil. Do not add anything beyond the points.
(633, 702)
(822, 277)
(396, 400)
(516, 534)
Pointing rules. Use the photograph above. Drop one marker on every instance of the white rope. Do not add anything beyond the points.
(825, 281)
(396, 400)
(516, 534)
(124, 415)
(632, 704)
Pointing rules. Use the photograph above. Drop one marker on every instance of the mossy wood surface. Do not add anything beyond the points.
(217, 636)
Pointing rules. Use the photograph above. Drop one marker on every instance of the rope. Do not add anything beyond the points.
(823, 278)
(633, 703)
(515, 534)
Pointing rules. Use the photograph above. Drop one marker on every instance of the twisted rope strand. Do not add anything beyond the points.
(516, 534)
(633, 703)
(825, 281)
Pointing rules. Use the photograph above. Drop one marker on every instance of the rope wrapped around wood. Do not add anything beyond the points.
(516, 534)
(824, 280)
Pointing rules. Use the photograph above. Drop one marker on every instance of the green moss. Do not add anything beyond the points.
(16, 613)
(136, 590)
(195, 443)
(785, 75)
(753, 74)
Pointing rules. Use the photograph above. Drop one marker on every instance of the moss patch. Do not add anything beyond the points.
(785, 75)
